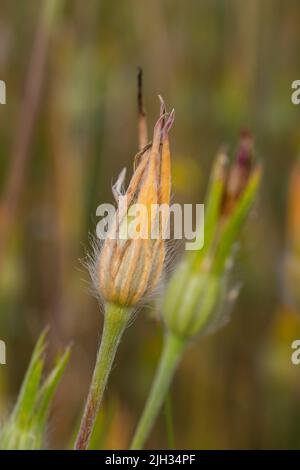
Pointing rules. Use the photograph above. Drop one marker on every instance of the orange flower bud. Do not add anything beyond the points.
(129, 267)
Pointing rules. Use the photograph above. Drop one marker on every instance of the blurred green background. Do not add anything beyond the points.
(222, 65)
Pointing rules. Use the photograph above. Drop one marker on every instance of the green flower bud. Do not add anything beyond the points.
(197, 295)
(200, 304)
(192, 307)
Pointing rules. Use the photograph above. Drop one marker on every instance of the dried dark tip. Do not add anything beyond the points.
(140, 92)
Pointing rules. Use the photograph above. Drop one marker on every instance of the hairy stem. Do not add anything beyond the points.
(116, 319)
(172, 352)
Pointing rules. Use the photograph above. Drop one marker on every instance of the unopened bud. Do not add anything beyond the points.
(129, 267)
(197, 295)
(192, 301)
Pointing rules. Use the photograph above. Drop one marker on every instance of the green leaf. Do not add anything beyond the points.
(26, 426)
(49, 387)
(212, 208)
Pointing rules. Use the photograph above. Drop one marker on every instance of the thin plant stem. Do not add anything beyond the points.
(27, 119)
(169, 421)
(172, 352)
(116, 319)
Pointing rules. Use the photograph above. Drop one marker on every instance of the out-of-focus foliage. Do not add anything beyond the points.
(25, 428)
(223, 65)
(292, 255)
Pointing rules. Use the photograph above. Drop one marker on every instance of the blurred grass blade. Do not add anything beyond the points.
(31, 382)
(26, 426)
(49, 387)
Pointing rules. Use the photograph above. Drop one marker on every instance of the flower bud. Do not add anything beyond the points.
(130, 266)
(188, 308)
(197, 296)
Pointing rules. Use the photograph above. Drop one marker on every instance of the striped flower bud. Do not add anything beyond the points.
(130, 266)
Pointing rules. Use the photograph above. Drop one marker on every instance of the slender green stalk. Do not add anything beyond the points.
(116, 319)
(169, 421)
(172, 352)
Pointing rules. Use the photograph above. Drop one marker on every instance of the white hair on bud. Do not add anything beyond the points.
(118, 187)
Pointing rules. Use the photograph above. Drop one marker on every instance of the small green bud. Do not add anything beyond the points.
(191, 308)
(197, 295)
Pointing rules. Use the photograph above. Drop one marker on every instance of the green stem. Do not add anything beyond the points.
(172, 352)
(115, 321)
(169, 422)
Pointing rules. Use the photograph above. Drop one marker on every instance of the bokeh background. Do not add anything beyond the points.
(69, 127)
